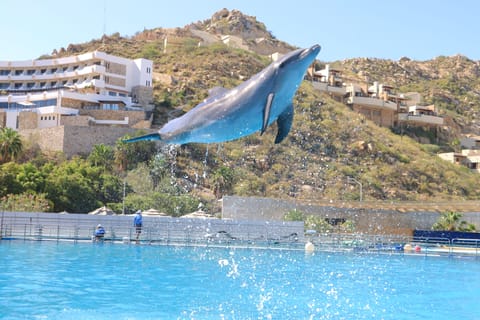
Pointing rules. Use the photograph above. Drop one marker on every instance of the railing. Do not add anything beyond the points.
(211, 232)
(156, 230)
(396, 244)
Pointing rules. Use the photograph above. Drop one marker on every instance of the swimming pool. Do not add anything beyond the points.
(61, 280)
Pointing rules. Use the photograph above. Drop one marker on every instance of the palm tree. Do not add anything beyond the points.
(451, 221)
(223, 180)
(10, 145)
(102, 156)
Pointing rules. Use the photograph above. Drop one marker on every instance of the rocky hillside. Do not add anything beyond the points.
(328, 141)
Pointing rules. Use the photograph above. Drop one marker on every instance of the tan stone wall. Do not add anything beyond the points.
(80, 140)
(27, 120)
(383, 118)
(116, 68)
(73, 140)
(47, 139)
(80, 121)
(3, 119)
(143, 96)
(145, 124)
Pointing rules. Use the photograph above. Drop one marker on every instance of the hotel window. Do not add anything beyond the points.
(4, 72)
(42, 84)
(147, 83)
(18, 72)
(53, 84)
(148, 70)
(110, 106)
(42, 71)
(30, 72)
(30, 85)
(53, 70)
(18, 85)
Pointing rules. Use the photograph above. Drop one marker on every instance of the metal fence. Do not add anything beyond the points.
(156, 230)
(211, 232)
(396, 244)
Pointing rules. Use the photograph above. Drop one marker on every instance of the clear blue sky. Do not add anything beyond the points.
(418, 29)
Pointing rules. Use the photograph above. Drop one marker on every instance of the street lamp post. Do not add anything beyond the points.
(123, 200)
(350, 179)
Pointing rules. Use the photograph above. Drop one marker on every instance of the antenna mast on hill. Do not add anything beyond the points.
(104, 23)
(104, 17)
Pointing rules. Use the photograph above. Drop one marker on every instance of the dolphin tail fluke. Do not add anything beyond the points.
(148, 137)
(284, 123)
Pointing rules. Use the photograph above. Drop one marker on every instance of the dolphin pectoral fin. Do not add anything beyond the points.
(266, 112)
(284, 123)
(148, 137)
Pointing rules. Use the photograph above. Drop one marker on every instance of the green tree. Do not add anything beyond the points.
(74, 186)
(111, 189)
(223, 179)
(159, 169)
(25, 202)
(102, 156)
(10, 145)
(8, 179)
(128, 155)
(31, 178)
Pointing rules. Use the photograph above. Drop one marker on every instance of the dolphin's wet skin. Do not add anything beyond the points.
(248, 108)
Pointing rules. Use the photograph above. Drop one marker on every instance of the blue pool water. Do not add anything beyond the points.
(48, 280)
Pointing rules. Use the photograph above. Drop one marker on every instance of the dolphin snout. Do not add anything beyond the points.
(315, 49)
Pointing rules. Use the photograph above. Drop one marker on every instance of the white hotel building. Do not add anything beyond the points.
(90, 90)
(65, 86)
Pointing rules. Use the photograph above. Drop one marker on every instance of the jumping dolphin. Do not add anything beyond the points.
(250, 107)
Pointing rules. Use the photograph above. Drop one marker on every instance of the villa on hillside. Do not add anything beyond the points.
(378, 102)
(69, 104)
(469, 156)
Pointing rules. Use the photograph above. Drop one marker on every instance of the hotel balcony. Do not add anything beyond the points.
(324, 87)
(372, 102)
(420, 119)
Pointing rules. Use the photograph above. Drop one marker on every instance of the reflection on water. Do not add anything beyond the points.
(79, 281)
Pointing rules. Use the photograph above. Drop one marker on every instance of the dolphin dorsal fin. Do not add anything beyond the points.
(266, 112)
(284, 123)
(216, 91)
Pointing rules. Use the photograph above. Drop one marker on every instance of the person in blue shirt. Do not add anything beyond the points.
(99, 233)
(138, 223)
